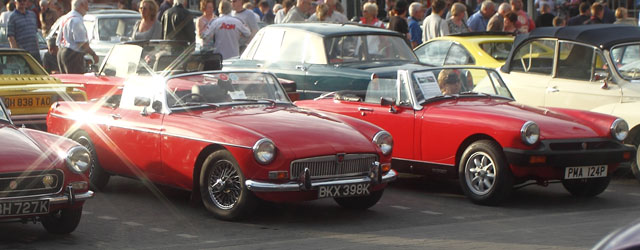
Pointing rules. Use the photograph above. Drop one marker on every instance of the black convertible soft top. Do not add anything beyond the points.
(603, 36)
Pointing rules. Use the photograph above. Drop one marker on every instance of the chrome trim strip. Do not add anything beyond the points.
(427, 162)
(205, 140)
(61, 199)
(259, 186)
(167, 134)
(38, 116)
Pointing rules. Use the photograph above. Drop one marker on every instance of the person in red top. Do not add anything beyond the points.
(369, 15)
(525, 24)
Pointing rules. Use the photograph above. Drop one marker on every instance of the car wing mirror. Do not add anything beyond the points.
(142, 102)
(386, 101)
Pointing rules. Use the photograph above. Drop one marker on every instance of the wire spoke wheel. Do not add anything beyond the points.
(224, 185)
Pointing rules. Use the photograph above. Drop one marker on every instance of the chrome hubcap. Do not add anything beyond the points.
(224, 185)
(480, 173)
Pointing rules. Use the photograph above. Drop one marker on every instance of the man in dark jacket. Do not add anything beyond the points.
(177, 23)
(585, 14)
(597, 13)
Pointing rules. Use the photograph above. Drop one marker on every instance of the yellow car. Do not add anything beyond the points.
(488, 49)
(28, 91)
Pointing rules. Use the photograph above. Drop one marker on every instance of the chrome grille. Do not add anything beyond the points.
(330, 166)
(30, 183)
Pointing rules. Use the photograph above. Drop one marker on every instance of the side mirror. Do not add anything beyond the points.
(139, 101)
(386, 101)
(600, 76)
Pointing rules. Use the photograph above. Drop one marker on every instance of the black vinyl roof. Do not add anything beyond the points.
(601, 35)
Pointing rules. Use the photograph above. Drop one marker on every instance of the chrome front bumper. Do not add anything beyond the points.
(304, 185)
(68, 197)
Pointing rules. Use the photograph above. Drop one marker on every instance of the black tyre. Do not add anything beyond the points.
(586, 187)
(98, 177)
(484, 174)
(63, 221)
(635, 165)
(360, 202)
(222, 187)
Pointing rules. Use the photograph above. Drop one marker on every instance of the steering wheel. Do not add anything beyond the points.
(199, 96)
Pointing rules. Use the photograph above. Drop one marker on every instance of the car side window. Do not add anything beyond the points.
(269, 48)
(458, 55)
(293, 47)
(576, 61)
(134, 91)
(433, 53)
(535, 56)
(381, 88)
(122, 61)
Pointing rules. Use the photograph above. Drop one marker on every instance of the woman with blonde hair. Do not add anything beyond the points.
(148, 27)
(456, 23)
(370, 15)
(207, 8)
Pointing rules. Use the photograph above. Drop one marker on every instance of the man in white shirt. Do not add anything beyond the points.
(226, 31)
(248, 18)
(333, 16)
(72, 40)
(434, 26)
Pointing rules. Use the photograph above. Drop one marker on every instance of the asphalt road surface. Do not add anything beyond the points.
(414, 213)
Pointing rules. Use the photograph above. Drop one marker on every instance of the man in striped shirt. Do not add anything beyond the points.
(22, 29)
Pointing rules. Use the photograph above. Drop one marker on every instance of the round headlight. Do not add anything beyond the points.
(78, 159)
(264, 151)
(530, 133)
(619, 129)
(384, 141)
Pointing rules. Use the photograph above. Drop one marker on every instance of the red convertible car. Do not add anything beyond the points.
(231, 137)
(43, 177)
(463, 123)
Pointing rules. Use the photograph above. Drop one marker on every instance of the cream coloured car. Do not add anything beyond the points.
(589, 67)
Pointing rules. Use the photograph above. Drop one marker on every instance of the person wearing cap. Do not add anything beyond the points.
(50, 61)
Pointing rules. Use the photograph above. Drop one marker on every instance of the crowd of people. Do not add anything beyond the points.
(227, 26)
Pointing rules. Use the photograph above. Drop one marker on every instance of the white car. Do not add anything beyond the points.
(589, 67)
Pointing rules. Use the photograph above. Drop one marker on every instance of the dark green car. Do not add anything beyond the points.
(323, 57)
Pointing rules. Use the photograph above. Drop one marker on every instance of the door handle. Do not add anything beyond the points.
(301, 67)
(116, 116)
(259, 65)
(361, 109)
(552, 89)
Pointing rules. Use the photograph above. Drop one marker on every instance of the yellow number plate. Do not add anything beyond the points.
(23, 102)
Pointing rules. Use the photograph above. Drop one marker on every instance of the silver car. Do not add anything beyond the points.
(105, 28)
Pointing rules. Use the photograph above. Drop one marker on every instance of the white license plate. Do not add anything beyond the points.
(343, 190)
(24, 208)
(585, 172)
